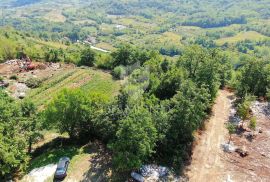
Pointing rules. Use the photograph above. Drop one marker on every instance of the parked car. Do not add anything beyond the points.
(62, 167)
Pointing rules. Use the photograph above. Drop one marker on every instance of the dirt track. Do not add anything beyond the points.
(207, 164)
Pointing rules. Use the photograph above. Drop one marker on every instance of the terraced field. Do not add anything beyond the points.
(87, 79)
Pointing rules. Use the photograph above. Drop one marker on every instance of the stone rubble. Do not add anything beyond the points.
(261, 109)
(20, 90)
(154, 170)
(228, 147)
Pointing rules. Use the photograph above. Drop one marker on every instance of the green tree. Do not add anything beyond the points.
(253, 123)
(253, 79)
(88, 57)
(75, 112)
(128, 55)
(13, 155)
(135, 140)
(225, 69)
(31, 124)
(119, 72)
(189, 107)
(231, 129)
(170, 82)
(202, 67)
(243, 109)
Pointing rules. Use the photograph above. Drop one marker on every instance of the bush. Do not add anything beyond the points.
(77, 113)
(119, 72)
(268, 94)
(33, 82)
(136, 139)
(127, 55)
(253, 79)
(1, 79)
(231, 129)
(243, 109)
(87, 58)
(13, 77)
(253, 123)
(104, 61)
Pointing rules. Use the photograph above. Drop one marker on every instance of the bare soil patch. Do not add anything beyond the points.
(211, 163)
(207, 163)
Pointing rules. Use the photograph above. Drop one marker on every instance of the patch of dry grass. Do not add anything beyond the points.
(250, 35)
(55, 16)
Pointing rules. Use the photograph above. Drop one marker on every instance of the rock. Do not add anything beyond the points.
(4, 84)
(152, 170)
(229, 179)
(228, 147)
(21, 95)
(242, 152)
(260, 109)
(137, 177)
(251, 135)
(11, 62)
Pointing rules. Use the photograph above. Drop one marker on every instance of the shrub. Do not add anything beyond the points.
(243, 109)
(13, 77)
(268, 94)
(33, 82)
(119, 72)
(77, 113)
(231, 129)
(253, 123)
(136, 138)
(104, 62)
(87, 58)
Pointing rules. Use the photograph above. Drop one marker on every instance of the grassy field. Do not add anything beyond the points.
(55, 16)
(106, 46)
(170, 37)
(250, 35)
(88, 79)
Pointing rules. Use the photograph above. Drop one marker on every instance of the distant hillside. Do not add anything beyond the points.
(18, 3)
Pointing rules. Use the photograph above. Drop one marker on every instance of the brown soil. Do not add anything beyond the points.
(256, 166)
(211, 163)
(207, 164)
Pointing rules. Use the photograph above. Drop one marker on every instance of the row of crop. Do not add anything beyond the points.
(51, 82)
(45, 96)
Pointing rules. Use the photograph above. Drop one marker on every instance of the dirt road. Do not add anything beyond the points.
(207, 164)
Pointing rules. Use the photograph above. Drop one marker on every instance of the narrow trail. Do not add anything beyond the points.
(207, 164)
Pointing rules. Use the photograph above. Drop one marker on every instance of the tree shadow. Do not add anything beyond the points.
(51, 152)
(231, 97)
(100, 166)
